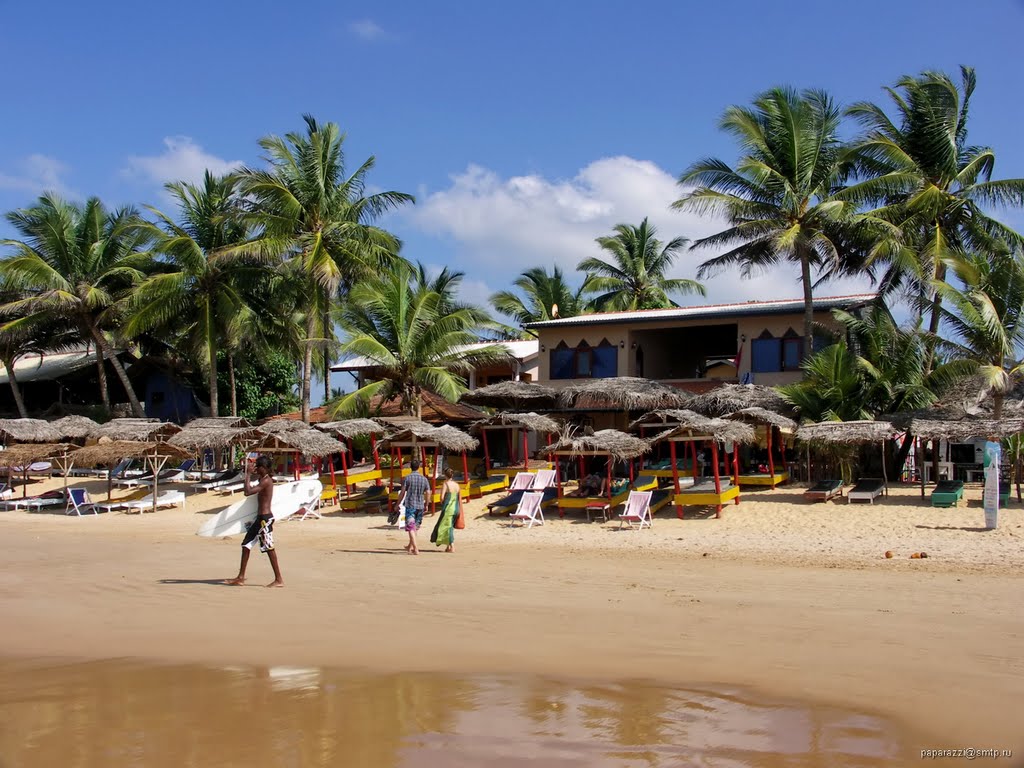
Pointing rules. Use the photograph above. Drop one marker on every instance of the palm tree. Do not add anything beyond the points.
(200, 294)
(415, 341)
(309, 211)
(635, 276)
(986, 318)
(544, 297)
(73, 266)
(929, 182)
(779, 199)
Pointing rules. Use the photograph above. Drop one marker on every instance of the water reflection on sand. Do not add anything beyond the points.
(118, 713)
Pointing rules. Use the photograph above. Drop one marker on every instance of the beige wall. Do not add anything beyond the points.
(661, 363)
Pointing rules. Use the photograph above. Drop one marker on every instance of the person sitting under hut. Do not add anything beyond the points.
(591, 485)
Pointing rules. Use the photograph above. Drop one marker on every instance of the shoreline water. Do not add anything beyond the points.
(935, 645)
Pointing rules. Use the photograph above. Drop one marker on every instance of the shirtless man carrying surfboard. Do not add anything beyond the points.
(261, 530)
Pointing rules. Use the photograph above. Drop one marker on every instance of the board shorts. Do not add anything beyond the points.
(260, 530)
(413, 519)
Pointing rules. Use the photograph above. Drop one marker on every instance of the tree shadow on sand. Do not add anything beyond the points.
(974, 529)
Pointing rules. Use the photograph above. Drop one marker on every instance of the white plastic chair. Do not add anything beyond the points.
(638, 510)
(529, 509)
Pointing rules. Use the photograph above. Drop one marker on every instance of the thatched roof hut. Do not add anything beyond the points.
(27, 431)
(299, 438)
(846, 432)
(26, 453)
(111, 452)
(351, 428)
(764, 416)
(218, 422)
(198, 439)
(137, 430)
(730, 398)
(75, 427)
(447, 437)
(529, 421)
(965, 429)
(621, 446)
(668, 417)
(719, 430)
(622, 392)
(512, 394)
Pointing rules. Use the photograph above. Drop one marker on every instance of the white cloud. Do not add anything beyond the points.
(503, 226)
(181, 160)
(37, 174)
(367, 29)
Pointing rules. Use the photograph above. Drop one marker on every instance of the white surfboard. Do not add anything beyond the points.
(288, 498)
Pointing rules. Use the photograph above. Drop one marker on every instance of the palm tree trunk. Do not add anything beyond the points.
(211, 342)
(805, 276)
(327, 361)
(900, 460)
(307, 364)
(104, 349)
(231, 383)
(935, 320)
(15, 389)
(997, 405)
(101, 374)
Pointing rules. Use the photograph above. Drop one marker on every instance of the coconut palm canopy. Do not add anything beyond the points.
(625, 392)
(730, 398)
(28, 431)
(75, 427)
(605, 442)
(202, 438)
(763, 416)
(111, 452)
(848, 432)
(530, 421)
(512, 394)
(26, 453)
(722, 430)
(299, 438)
(139, 430)
(350, 428)
(447, 437)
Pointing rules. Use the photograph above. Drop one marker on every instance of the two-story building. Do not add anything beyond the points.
(694, 348)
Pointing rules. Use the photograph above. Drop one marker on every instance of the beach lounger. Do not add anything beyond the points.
(529, 509)
(867, 489)
(48, 499)
(6, 491)
(79, 503)
(823, 490)
(172, 475)
(134, 481)
(947, 493)
(226, 477)
(165, 499)
(110, 506)
(637, 511)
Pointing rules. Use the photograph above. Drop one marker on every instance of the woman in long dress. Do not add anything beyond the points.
(451, 508)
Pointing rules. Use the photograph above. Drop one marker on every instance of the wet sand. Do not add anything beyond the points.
(935, 647)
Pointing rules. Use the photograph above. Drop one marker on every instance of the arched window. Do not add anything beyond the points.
(562, 361)
(605, 360)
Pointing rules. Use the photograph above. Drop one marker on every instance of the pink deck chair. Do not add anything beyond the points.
(529, 511)
(523, 481)
(638, 510)
(543, 478)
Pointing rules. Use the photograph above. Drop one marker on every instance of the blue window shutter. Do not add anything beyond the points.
(606, 362)
(766, 355)
(563, 361)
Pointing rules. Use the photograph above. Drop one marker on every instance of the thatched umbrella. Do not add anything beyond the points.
(625, 392)
(616, 445)
(22, 455)
(849, 433)
(297, 439)
(524, 422)
(348, 430)
(137, 430)
(730, 398)
(695, 428)
(75, 427)
(110, 452)
(771, 421)
(218, 422)
(27, 431)
(213, 435)
(420, 435)
(512, 394)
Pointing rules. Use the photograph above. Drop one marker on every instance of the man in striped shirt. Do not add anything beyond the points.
(415, 492)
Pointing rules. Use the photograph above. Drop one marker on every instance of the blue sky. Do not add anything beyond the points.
(525, 130)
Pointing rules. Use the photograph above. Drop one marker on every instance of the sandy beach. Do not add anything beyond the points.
(792, 599)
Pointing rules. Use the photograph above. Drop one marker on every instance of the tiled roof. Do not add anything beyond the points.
(708, 311)
(436, 410)
(520, 350)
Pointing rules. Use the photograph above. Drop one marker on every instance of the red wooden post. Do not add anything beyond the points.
(296, 465)
(771, 461)
(693, 456)
(631, 471)
(609, 481)
(465, 471)
(718, 480)
(526, 451)
(736, 463)
(344, 471)
(675, 475)
(334, 482)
